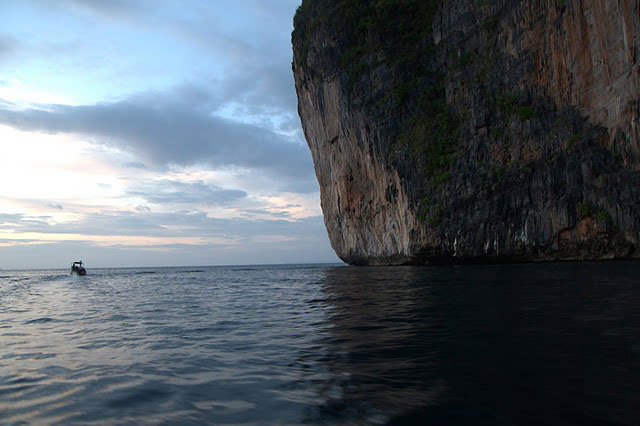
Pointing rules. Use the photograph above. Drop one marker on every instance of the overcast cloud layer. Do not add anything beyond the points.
(151, 133)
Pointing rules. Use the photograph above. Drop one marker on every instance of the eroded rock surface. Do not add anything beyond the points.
(476, 132)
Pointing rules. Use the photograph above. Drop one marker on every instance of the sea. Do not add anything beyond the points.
(322, 344)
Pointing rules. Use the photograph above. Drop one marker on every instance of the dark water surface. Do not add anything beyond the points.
(517, 344)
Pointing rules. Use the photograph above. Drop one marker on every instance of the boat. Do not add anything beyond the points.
(78, 268)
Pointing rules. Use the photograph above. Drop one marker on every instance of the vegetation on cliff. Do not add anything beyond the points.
(367, 30)
(396, 34)
(461, 102)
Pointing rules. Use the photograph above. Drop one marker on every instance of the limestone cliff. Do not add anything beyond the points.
(504, 130)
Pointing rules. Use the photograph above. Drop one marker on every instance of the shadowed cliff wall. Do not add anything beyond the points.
(476, 132)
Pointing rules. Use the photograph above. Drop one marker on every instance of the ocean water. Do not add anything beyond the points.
(322, 344)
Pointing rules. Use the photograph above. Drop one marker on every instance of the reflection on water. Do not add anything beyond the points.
(376, 352)
(516, 344)
(497, 344)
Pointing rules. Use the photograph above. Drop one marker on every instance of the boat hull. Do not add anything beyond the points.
(79, 271)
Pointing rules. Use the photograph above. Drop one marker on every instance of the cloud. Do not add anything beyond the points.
(250, 40)
(210, 240)
(255, 53)
(164, 94)
(252, 78)
(299, 186)
(21, 219)
(175, 127)
(179, 224)
(261, 87)
(60, 254)
(103, 223)
(165, 191)
(103, 7)
(19, 222)
(10, 218)
(135, 165)
(266, 212)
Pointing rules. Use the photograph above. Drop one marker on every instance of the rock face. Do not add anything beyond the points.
(504, 130)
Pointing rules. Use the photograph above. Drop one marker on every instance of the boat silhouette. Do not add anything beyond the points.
(76, 267)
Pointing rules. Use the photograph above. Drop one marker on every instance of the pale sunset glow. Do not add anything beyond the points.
(145, 133)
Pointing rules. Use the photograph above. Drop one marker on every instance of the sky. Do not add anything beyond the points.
(153, 133)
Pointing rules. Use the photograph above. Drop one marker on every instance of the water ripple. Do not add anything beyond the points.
(321, 345)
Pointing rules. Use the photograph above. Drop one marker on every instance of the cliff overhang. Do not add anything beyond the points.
(477, 132)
